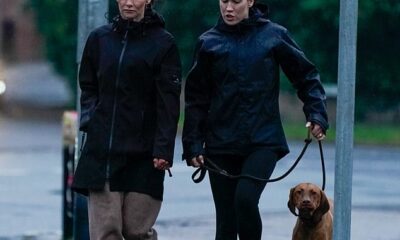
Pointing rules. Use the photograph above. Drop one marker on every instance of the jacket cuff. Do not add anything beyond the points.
(192, 151)
(320, 120)
(165, 156)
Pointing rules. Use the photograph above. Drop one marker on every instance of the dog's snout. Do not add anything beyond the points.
(306, 201)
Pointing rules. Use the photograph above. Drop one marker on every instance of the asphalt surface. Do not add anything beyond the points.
(31, 182)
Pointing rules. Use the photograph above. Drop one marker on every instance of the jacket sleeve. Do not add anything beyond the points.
(168, 86)
(197, 103)
(305, 78)
(88, 83)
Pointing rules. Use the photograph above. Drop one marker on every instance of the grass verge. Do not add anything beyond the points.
(364, 133)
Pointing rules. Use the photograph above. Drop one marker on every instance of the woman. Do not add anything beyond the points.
(232, 113)
(130, 80)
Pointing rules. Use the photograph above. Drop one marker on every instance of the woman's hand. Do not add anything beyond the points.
(197, 161)
(316, 130)
(161, 164)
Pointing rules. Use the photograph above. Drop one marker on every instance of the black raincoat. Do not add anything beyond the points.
(130, 77)
(232, 90)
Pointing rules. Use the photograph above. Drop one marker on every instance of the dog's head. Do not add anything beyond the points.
(309, 200)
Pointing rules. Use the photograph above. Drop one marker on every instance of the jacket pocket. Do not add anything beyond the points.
(170, 78)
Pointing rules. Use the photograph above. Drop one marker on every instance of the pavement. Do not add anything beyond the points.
(31, 176)
(188, 209)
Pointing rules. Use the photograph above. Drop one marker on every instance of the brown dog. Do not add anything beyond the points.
(315, 218)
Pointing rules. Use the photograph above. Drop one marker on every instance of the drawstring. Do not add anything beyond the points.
(169, 172)
(212, 167)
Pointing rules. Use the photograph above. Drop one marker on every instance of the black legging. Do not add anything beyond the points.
(236, 200)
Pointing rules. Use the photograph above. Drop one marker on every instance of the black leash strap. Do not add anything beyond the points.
(212, 167)
(321, 153)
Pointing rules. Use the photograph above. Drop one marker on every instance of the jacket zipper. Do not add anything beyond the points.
(110, 143)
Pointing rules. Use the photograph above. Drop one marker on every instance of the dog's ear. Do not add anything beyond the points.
(291, 204)
(322, 208)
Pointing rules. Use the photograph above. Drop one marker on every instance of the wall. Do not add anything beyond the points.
(19, 38)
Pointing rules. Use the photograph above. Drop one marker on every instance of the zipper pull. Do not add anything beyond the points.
(83, 141)
(125, 37)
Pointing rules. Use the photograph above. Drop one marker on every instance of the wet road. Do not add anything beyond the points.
(30, 177)
(375, 208)
(30, 189)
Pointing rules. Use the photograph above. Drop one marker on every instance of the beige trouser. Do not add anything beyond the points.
(120, 215)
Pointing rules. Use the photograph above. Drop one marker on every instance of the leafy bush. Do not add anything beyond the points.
(313, 23)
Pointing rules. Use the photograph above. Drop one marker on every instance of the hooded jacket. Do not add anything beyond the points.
(130, 77)
(232, 89)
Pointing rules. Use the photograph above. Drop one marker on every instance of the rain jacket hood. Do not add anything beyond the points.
(151, 19)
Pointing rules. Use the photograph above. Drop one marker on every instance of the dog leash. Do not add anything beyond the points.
(216, 169)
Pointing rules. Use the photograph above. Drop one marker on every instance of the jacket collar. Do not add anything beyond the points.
(258, 15)
(151, 19)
